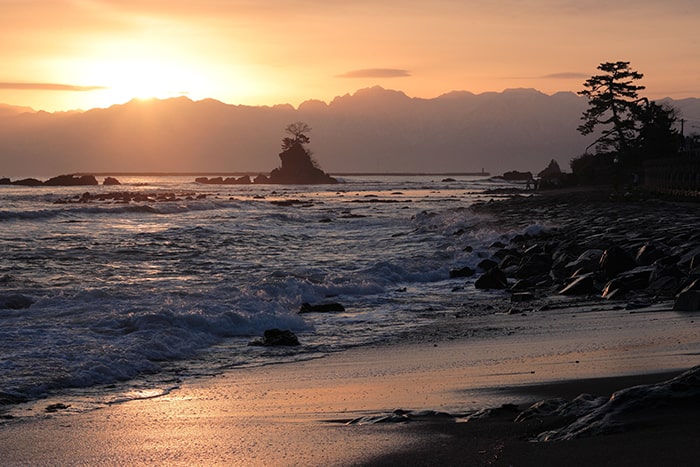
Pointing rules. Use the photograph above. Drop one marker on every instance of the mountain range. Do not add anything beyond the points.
(373, 130)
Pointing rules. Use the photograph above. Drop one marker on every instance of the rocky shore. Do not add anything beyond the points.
(635, 250)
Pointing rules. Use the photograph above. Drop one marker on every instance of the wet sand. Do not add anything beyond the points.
(295, 414)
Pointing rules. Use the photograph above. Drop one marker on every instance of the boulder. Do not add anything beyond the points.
(5, 181)
(648, 254)
(689, 298)
(28, 182)
(277, 337)
(494, 278)
(462, 272)
(635, 279)
(72, 180)
(583, 285)
(261, 179)
(616, 260)
(487, 264)
(516, 176)
(535, 265)
(111, 181)
(588, 261)
(321, 308)
(15, 302)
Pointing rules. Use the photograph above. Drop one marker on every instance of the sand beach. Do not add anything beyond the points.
(420, 400)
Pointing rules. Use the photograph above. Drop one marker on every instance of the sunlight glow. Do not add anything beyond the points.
(125, 80)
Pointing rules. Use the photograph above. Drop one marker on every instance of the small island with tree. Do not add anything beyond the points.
(298, 166)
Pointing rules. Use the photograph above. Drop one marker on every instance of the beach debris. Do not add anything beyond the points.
(321, 308)
(277, 337)
(597, 416)
(504, 409)
(560, 407)
(402, 416)
(52, 408)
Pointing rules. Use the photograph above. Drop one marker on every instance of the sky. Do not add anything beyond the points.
(79, 54)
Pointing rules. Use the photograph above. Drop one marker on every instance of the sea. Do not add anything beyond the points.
(119, 292)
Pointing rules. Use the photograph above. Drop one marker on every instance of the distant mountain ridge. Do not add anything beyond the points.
(372, 130)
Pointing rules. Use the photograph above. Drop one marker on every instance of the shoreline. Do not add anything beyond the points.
(521, 352)
(295, 413)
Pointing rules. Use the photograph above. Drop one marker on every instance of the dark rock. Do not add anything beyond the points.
(52, 408)
(201, 180)
(277, 337)
(298, 169)
(515, 176)
(665, 280)
(5, 181)
(583, 285)
(522, 285)
(261, 179)
(28, 182)
(689, 298)
(648, 254)
(287, 202)
(535, 265)
(321, 308)
(72, 180)
(15, 302)
(522, 297)
(494, 278)
(588, 261)
(551, 176)
(462, 272)
(111, 181)
(616, 260)
(635, 279)
(487, 264)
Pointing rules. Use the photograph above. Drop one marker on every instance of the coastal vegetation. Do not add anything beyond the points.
(630, 128)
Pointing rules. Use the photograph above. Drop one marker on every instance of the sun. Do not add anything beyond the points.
(125, 80)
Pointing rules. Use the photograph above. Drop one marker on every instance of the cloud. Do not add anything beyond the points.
(49, 87)
(376, 73)
(566, 75)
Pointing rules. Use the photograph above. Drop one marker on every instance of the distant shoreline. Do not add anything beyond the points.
(231, 174)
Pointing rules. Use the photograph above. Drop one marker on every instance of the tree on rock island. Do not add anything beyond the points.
(298, 167)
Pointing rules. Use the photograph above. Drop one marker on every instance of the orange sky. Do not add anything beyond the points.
(69, 54)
